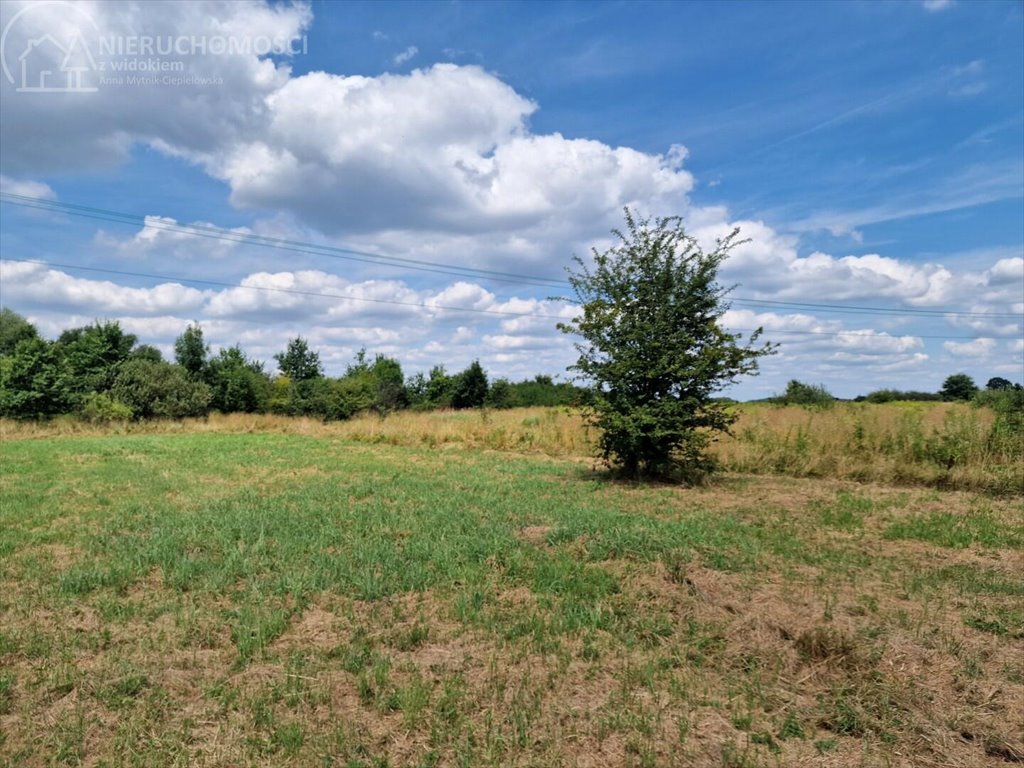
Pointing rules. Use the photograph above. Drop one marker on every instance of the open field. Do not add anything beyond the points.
(941, 445)
(345, 595)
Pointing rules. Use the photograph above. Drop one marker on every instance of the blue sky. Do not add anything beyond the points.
(872, 152)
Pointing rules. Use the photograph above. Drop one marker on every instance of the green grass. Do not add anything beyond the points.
(276, 599)
(956, 531)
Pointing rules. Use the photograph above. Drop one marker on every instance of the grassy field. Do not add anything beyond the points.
(941, 445)
(463, 589)
(222, 595)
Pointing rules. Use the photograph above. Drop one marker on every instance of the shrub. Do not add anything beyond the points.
(101, 408)
(959, 386)
(237, 384)
(160, 390)
(896, 395)
(34, 381)
(654, 349)
(798, 393)
(470, 387)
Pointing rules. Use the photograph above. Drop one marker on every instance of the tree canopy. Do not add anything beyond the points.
(959, 386)
(298, 362)
(653, 347)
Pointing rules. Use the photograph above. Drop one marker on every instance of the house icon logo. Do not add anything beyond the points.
(57, 60)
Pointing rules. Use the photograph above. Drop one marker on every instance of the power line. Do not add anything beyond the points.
(880, 310)
(233, 236)
(420, 305)
(295, 291)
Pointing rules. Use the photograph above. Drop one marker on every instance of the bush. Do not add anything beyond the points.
(654, 349)
(94, 354)
(470, 387)
(160, 390)
(339, 399)
(896, 395)
(959, 386)
(101, 408)
(1008, 405)
(238, 384)
(34, 381)
(798, 393)
(539, 391)
(14, 329)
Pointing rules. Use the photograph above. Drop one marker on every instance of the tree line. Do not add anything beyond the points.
(102, 373)
(958, 387)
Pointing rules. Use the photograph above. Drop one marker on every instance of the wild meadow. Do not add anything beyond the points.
(463, 589)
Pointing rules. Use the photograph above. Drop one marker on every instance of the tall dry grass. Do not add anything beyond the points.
(938, 444)
(949, 445)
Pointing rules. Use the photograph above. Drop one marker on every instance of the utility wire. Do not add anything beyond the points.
(227, 235)
(420, 305)
(295, 291)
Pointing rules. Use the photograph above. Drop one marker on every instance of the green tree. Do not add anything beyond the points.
(438, 390)
(959, 386)
(500, 394)
(999, 383)
(653, 347)
(147, 352)
(34, 381)
(94, 355)
(416, 390)
(190, 351)
(389, 385)
(894, 395)
(237, 384)
(14, 328)
(469, 389)
(798, 393)
(160, 390)
(298, 362)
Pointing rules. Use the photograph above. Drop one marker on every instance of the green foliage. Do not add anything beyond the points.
(959, 386)
(434, 391)
(147, 352)
(298, 362)
(896, 395)
(337, 399)
(101, 408)
(540, 390)
(798, 393)
(236, 383)
(94, 355)
(653, 346)
(500, 394)
(469, 389)
(160, 390)
(34, 381)
(1008, 404)
(283, 397)
(389, 385)
(439, 387)
(14, 329)
(190, 352)
(999, 383)
(377, 386)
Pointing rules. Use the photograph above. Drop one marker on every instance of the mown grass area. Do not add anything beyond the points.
(229, 598)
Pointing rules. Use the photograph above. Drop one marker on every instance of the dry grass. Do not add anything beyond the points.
(945, 445)
(803, 622)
